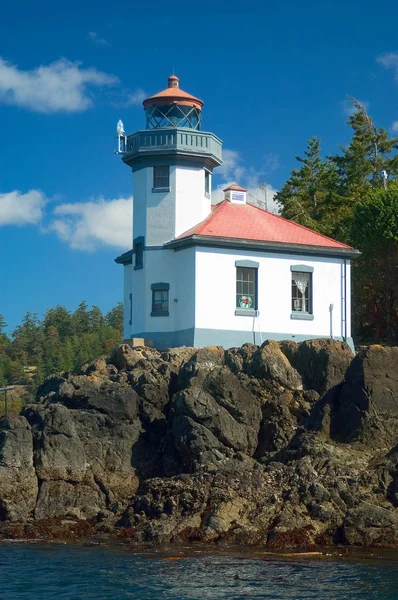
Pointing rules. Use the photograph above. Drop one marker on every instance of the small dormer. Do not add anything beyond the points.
(235, 194)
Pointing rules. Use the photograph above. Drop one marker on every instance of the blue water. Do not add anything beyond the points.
(33, 572)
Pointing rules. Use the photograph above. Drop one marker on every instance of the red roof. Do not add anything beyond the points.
(173, 94)
(248, 222)
(235, 187)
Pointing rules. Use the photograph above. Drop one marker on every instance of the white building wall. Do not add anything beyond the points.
(216, 293)
(166, 266)
(162, 216)
(184, 273)
(192, 205)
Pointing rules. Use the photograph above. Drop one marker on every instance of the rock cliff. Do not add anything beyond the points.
(283, 445)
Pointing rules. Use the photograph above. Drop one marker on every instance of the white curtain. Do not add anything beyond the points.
(301, 280)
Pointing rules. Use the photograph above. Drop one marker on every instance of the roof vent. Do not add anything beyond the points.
(235, 194)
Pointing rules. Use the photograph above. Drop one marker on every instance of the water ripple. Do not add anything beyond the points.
(102, 573)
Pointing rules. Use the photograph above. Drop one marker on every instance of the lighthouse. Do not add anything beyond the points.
(172, 161)
(202, 274)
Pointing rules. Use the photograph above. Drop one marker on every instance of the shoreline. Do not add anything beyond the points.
(196, 550)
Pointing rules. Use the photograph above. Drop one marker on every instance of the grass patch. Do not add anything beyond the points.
(14, 405)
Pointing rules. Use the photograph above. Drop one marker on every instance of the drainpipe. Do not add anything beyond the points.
(344, 301)
(331, 306)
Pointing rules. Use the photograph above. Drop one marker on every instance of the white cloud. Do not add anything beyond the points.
(89, 225)
(394, 126)
(259, 192)
(231, 166)
(17, 208)
(135, 98)
(261, 195)
(61, 86)
(389, 60)
(271, 162)
(94, 37)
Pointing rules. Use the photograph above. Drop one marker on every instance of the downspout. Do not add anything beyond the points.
(345, 299)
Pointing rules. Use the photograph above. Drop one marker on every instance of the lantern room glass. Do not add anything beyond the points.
(174, 115)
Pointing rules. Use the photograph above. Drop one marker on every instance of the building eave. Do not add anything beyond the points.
(244, 244)
(125, 259)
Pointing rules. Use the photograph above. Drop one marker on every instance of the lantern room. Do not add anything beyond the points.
(173, 107)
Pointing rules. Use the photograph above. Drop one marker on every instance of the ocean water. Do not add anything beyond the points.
(37, 572)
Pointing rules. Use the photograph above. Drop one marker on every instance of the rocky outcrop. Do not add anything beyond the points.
(283, 445)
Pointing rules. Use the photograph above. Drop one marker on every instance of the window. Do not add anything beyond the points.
(161, 178)
(246, 287)
(301, 291)
(160, 299)
(207, 183)
(138, 247)
(131, 309)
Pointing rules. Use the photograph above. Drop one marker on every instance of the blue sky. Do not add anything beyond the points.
(271, 75)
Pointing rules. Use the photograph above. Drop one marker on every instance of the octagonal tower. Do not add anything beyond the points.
(173, 162)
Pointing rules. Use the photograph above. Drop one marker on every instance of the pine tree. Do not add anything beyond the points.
(81, 319)
(375, 233)
(114, 317)
(369, 152)
(96, 319)
(310, 192)
(60, 318)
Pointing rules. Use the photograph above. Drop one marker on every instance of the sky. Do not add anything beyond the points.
(271, 74)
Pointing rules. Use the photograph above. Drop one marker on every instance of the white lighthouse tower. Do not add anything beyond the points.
(172, 161)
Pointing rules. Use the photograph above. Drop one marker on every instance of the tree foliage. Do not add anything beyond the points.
(61, 341)
(375, 232)
(342, 196)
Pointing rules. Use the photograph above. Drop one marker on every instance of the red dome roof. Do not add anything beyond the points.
(173, 95)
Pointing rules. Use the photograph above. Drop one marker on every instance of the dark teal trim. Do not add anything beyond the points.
(139, 264)
(142, 162)
(168, 339)
(245, 312)
(225, 338)
(301, 316)
(160, 313)
(160, 189)
(146, 145)
(125, 259)
(160, 286)
(251, 264)
(301, 269)
(208, 241)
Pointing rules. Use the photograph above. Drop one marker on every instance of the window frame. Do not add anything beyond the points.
(161, 188)
(207, 183)
(252, 311)
(160, 286)
(301, 315)
(139, 244)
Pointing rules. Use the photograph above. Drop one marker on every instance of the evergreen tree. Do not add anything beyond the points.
(114, 318)
(52, 352)
(27, 340)
(96, 319)
(369, 152)
(81, 319)
(310, 193)
(3, 324)
(375, 233)
(60, 318)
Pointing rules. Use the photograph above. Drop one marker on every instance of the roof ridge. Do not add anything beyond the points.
(298, 225)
